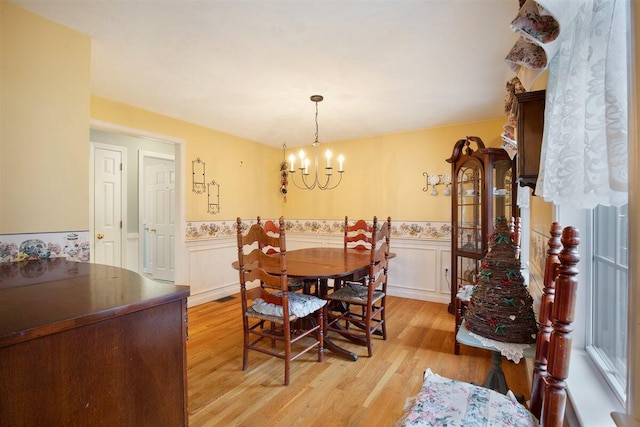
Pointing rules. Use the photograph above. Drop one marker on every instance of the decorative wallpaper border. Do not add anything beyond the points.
(417, 230)
(73, 245)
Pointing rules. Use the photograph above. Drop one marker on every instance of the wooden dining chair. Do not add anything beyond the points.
(358, 310)
(356, 236)
(444, 401)
(272, 229)
(268, 311)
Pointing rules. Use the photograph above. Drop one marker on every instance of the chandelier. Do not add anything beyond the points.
(307, 183)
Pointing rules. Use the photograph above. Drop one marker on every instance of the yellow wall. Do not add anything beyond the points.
(44, 151)
(383, 175)
(238, 165)
(44, 155)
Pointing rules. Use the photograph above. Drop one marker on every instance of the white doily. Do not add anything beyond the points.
(511, 351)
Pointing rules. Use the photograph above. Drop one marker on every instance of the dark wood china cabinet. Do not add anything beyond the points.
(482, 190)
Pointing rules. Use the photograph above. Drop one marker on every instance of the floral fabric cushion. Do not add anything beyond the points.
(451, 403)
(300, 305)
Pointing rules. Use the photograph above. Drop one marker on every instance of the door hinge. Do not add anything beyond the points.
(120, 223)
(120, 166)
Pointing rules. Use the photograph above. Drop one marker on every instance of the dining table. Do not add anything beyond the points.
(323, 263)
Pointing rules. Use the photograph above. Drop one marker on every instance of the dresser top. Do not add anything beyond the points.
(43, 297)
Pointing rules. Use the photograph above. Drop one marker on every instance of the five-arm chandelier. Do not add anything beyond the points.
(307, 183)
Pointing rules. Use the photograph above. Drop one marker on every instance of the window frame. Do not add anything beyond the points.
(601, 361)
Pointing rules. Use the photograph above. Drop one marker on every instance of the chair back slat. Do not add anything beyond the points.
(268, 280)
(555, 395)
(357, 235)
(554, 247)
(271, 229)
(257, 234)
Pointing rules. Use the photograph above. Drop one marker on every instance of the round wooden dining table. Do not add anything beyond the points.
(326, 263)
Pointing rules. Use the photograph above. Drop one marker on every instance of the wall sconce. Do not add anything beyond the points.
(198, 179)
(435, 180)
(213, 208)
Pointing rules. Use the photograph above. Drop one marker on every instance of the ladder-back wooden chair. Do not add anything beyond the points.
(443, 401)
(358, 310)
(268, 311)
(356, 236)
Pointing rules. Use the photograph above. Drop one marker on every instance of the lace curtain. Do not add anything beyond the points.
(584, 148)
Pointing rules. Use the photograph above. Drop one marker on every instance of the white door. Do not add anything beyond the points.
(159, 224)
(107, 187)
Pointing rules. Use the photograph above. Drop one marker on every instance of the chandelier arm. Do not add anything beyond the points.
(304, 186)
(326, 185)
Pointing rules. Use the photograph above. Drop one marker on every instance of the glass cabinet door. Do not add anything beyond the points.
(469, 223)
(468, 270)
(501, 198)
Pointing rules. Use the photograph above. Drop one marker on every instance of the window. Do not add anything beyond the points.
(607, 336)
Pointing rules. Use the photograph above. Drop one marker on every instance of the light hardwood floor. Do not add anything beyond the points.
(336, 392)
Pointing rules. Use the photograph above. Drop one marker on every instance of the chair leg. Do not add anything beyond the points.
(287, 352)
(320, 334)
(383, 318)
(368, 310)
(245, 353)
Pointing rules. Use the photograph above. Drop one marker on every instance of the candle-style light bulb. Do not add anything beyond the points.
(340, 160)
(301, 156)
(292, 161)
(306, 166)
(328, 156)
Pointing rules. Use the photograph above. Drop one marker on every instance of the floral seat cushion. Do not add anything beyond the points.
(300, 305)
(446, 402)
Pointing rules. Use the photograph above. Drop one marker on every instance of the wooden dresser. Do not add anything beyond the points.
(87, 344)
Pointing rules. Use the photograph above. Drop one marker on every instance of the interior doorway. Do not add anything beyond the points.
(154, 152)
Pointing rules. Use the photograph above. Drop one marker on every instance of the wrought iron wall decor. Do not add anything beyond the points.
(198, 175)
(435, 180)
(200, 184)
(213, 208)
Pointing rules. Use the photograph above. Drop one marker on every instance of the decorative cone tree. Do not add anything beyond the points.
(501, 307)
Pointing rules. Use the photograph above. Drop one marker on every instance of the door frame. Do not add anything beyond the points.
(180, 248)
(123, 201)
(142, 155)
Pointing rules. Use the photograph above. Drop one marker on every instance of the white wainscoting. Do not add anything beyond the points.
(133, 263)
(418, 271)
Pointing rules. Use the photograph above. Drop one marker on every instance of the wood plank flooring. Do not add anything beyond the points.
(336, 392)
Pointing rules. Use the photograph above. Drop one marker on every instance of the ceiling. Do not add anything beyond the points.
(248, 67)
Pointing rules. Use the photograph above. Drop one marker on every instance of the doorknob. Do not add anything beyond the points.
(100, 236)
